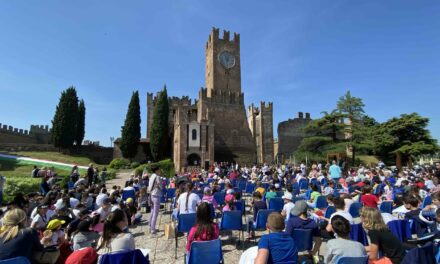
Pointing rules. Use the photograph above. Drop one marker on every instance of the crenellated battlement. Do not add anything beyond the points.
(222, 97)
(10, 129)
(39, 129)
(215, 36)
(266, 106)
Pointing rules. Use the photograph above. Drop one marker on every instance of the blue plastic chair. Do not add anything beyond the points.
(70, 185)
(357, 233)
(295, 199)
(250, 188)
(276, 204)
(240, 206)
(184, 224)
(425, 255)
(171, 193)
(303, 239)
(128, 194)
(203, 252)
(321, 202)
(303, 184)
(280, 194)
(329, 211)
(386, 207)
(17, 260)
(260, 223)
(426, 201)
(231, 220)
(126, 257)
(220, 197)
(242, 185)
(352, 260)
(354, 209)
(401, 229)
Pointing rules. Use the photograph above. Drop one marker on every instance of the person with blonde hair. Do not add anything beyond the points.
(16, 239)
(381, 238)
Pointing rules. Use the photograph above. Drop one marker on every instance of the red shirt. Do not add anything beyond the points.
(203, 236)
(369, 200)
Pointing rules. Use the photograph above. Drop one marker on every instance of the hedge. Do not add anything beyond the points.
(167, 167)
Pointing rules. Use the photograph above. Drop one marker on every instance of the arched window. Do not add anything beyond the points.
(194, 134)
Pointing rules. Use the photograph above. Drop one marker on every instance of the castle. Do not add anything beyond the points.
(215, 127)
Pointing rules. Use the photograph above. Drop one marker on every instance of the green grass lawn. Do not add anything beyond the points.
(55, 156)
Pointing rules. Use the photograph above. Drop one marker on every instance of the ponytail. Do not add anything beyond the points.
(189, 188)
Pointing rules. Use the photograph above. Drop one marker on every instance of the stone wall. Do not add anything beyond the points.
(37, 134)
(290, 135)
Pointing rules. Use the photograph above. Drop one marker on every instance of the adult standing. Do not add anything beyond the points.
(154, 188)
(2, 183)
(335, 172)
(90, 173)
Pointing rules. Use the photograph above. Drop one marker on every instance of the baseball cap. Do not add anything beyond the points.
(287, 196)
(300, 207)
(55, 223)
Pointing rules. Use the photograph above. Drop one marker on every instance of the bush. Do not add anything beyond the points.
(119, 163)
(20, 185)
(111, 174)
(167, 167)
(134, 165)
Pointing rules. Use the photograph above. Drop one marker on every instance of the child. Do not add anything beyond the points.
(368, 199)
(329, 189)
(257, 204)
(260, 188)
(288, 206)
(271, 194)
(229, 201)
(277, 246)
(342, 245)
(208, 197)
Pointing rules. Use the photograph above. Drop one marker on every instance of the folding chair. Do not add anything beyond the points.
(231, 220)
(203, 252)
(184, 224)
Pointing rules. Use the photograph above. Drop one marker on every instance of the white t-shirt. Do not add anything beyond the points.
(40, 221)
(287, 208)
(345, 215)
(193, 200)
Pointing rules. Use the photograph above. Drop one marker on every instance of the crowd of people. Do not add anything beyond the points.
(61, 224)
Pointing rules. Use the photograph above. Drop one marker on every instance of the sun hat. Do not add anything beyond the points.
(55, 223)
(300, 207)
(287, 196)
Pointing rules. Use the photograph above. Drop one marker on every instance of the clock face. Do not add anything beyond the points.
(226, 59)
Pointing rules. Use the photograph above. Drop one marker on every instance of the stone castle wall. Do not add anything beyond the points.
(38, 134)
(290, 135)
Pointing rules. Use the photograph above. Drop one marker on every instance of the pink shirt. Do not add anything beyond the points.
(202, 236)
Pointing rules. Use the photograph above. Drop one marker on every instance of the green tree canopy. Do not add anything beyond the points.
(131, 131)
(65, 119)
(407, 135)
(159, 127)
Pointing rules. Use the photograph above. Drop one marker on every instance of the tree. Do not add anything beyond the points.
(131, 131)
(65, 119)
(159, 127)
(324, 134)
(357, 135)
(405, 136)
(81, 121)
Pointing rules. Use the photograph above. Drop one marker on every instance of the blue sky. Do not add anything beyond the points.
(302, 55)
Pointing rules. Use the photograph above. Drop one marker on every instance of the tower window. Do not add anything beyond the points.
(194, 134)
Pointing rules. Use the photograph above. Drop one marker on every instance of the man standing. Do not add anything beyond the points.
(90, 173)
(2, 182)
(154, 189)
(335, 172)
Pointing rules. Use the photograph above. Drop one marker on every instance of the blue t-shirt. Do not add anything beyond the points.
(281, 248)
(335, 171)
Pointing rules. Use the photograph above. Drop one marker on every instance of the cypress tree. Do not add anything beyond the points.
(159, 127)
(81, 122)
(131, 131)
(65, 119)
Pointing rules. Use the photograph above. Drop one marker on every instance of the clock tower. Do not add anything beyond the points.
(223, 70)
(222, 101)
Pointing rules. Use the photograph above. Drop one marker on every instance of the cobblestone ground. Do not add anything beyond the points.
(163, 250)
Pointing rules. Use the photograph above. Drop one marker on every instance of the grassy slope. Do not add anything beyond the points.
(55, 156)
